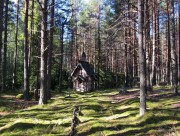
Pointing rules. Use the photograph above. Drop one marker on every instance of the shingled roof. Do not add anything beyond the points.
(86, 66)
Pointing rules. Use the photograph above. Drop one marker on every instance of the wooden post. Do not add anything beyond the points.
(75, 121)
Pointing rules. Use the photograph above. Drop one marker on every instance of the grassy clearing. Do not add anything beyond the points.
(104, 113)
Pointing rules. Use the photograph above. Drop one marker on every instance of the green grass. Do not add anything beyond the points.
(102, 115)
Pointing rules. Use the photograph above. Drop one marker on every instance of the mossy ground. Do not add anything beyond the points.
(105, 112)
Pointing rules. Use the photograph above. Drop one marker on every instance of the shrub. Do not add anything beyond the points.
(20, 96)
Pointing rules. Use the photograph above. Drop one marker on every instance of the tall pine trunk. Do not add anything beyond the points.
(135, 69)
(99, 43)
(5, 47)
(61, 58)
(31, 43)
(36, 91)
(43, 64)
(50, 50)
(173, 52)
(142, 58)
(148, 41)
(1, 38)
(126, 60)
(26, 68)
(157, 41)
(169, 44)
(16, 48)
(153, 72)
(179, 46)
(163, 61)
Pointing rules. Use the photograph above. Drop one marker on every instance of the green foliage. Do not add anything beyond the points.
(20, 96)
(110, 79)
(101, 115)
(66, 79)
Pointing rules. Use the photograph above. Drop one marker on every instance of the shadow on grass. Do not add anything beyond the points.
(155, 120)
(25, 126)
(166, 95)
(95, 107)
(145, 131)
(9, 103)
(93, 130)
(100, 114)
(140, 129)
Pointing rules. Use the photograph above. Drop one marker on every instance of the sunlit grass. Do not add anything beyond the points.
(102, 115)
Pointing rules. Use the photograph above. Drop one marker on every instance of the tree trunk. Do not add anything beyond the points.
(153, 72)
(16, 49)
(31, 43)
(99, 44)
(43, 65)
(158, 73)
(173, 53)
(169, 45)
(36, 92)
(145, 36)
(5, 47)
(50, 51)
(26, 69)
(130, 46)
(163, 61)
(148, 41)
(1, 38)
(126, 61)
(142, 58)
(116, 58)
(179, 45)
(135, 69)
(61, 58)
(112, 60)
(75, 35)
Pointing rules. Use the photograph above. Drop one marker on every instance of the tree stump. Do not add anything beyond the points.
(75, 120)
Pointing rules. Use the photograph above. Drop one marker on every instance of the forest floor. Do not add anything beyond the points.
(105, 113)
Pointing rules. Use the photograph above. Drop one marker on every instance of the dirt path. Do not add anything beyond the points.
(125, 96)
(167, 93)
(9, 104)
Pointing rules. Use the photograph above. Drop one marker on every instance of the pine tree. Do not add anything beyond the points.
(26, 68)
(43, 63)
(142, 58)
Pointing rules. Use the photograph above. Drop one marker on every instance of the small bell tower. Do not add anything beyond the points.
(83, 57)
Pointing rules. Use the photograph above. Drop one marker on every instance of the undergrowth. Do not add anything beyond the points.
(102, 115)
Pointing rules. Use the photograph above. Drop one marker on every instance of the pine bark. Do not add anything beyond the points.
(173, 52)
(163, 61)
(31, 43)
(50, 51)
(75, 35)
(26, 68)
(179, 45)
(153, 72)
(157, 41)
(5, 47)
(16, 48)
(169, 44)
(147, 42)
(1, 38)
(135, 69)
(126, 61)
(61, 58)
(43, 63)
(99, 43)
(130, 46)
(36, 91)
(142, 58)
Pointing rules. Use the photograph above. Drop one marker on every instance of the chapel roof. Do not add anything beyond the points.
(86, 66)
